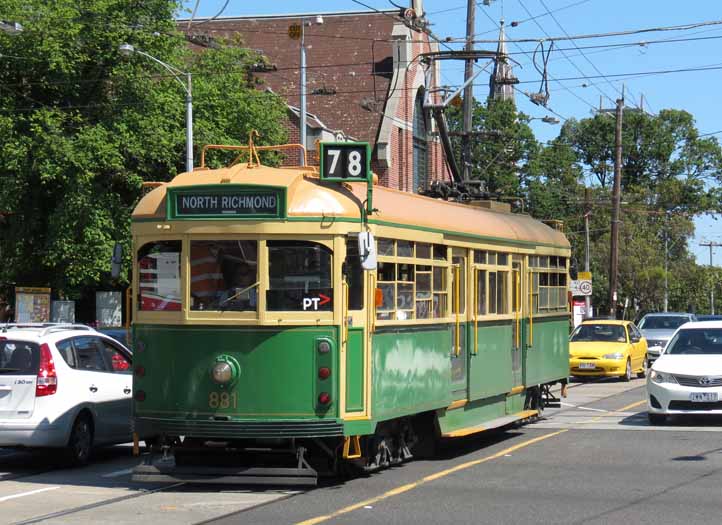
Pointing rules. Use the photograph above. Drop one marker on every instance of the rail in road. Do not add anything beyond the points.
(35, 490)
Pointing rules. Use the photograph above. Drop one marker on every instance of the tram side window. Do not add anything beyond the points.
(159, 283)
(549, 285)
(224, 275)
(299, 277)
(412, 291)
(354, 276)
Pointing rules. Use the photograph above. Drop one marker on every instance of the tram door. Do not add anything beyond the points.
(459, 340)
(517, 308)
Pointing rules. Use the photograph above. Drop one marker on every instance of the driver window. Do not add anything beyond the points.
(224, 275)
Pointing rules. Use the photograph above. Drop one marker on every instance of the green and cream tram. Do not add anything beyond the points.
(264, 329)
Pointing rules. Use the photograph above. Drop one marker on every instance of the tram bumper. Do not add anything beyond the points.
(166, 470)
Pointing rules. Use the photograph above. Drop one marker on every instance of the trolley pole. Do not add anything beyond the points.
(616, 202)
(711, 288)
(468, 93)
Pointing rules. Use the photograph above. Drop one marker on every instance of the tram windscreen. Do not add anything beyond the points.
(159, 284)
(299, 277)
(224, 275)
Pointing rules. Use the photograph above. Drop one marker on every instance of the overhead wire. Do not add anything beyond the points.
(536, 22)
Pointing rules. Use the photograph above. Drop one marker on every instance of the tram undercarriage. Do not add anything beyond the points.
(302, 461)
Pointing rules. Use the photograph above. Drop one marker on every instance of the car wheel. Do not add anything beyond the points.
(643, 372)
(80, 444)
(627, 372)
(656, 419)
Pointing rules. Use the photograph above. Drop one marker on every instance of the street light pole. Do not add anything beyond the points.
(127, 50)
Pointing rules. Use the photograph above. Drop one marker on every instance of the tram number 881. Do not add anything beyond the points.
(222, 400)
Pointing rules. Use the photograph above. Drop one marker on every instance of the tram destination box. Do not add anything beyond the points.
(226, 202)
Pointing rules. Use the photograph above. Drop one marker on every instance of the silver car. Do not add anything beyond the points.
(658, 329)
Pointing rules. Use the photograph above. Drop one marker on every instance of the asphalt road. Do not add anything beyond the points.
(593, 459)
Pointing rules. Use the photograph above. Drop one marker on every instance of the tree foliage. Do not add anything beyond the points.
(83, 127)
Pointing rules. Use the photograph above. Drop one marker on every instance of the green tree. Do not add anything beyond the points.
(82, 128)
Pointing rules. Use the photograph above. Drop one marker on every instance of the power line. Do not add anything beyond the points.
(564, 55)
(575, 45)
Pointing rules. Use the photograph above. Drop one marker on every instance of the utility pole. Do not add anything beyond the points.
(587, 213)
(711, 288)
(616, 202)
(468, 93)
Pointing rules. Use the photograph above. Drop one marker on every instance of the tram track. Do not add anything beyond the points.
(96, 505)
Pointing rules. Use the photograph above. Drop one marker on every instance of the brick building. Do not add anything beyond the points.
(364, 82)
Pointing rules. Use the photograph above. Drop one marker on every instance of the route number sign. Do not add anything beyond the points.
(345, 161)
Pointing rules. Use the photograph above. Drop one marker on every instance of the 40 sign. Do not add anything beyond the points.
(580, 287)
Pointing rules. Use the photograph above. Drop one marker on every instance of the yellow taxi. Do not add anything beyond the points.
(607, 348)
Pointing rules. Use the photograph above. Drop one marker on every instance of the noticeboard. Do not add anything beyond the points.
(32, 305)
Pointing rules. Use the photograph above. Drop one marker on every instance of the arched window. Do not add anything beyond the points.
(421, 148)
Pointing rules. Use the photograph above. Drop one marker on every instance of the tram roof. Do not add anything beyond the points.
(307, 197)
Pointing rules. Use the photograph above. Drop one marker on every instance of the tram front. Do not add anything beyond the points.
(237, 327)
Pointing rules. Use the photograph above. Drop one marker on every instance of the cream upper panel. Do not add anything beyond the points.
(307, 197)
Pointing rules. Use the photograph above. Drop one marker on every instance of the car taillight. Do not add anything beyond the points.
(47, 382)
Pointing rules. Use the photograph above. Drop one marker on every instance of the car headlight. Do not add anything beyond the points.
(615, 355)
(661, 377)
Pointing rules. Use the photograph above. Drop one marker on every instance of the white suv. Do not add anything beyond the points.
(63, 386)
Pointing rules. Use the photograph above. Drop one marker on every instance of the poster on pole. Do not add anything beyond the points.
(32, 305)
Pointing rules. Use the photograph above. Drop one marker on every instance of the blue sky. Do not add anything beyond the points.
(695, 92)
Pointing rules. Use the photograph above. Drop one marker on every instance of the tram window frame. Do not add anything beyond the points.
(271, 292)
(166, 302)
(549, 283)
(230, 269)
(398, 277)
(493, 280)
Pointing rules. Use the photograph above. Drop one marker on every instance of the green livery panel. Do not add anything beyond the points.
(278, 377)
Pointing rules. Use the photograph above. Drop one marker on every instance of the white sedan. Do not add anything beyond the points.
(687, 377)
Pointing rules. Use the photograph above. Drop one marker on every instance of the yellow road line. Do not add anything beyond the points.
(427, 479)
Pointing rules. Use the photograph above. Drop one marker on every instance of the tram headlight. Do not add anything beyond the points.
(324, 347)
(222, 373)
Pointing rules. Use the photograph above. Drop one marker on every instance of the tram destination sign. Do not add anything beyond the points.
(225, 202)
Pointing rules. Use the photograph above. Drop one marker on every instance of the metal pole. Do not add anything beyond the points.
(616, 202)
(712, 283)
(302, 124)
(189, 125)
(587, 299)
(468, 93)
(666, 258)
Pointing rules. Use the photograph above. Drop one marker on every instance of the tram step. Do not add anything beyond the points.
(170, 473)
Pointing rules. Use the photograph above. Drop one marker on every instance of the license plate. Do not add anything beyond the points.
(703, 397)
(587, 366)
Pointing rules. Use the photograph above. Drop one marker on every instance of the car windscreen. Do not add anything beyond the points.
(18, 357)
(696, 342)
(663, 322)
(609, 333)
